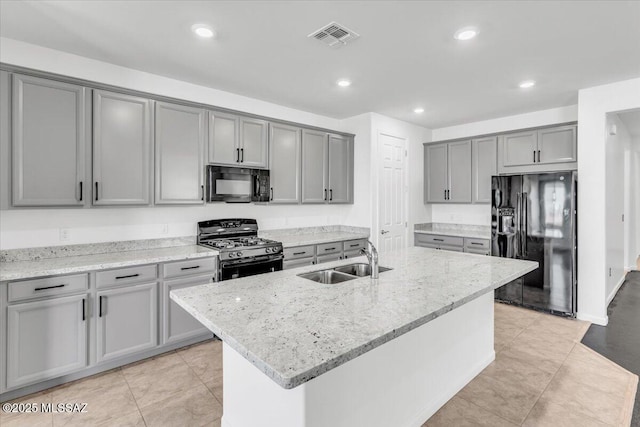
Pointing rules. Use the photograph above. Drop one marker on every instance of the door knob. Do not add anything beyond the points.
(384, 231)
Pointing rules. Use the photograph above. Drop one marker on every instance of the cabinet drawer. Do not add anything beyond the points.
(52, 286)
(477, 251)
(439, 240)
(189, 267)
(329, 248)
(143, 273)
(352, 254)
(328, 258)
(355, 245)
(440, 246)
(299, 262)
(299, 252)
(476, 243)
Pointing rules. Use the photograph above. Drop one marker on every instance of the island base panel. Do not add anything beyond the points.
(400, 383)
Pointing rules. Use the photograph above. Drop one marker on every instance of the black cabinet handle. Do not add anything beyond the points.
(438, 240)
(190, 268)
(325, 194)
(100, 306)
(331, 194)
(534, 156)
(271, 193)
(242, 155)
(329, 249)
(354, 245)
(80, 191)
(238, 155)
(476, 243)
(96, 191)
(538, 156)
(445, 194)
(299, 253)
(127, 276)
(202, 189)
(50, 287)
(84, 317)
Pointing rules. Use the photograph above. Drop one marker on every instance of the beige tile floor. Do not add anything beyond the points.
(542, 376)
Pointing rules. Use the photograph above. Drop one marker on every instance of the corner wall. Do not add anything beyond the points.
(593, 105)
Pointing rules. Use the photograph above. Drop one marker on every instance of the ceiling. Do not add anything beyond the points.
(405, 58)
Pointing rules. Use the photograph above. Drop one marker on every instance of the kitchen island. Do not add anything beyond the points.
(368, 352)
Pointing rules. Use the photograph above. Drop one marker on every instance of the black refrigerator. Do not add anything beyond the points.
(533, 217)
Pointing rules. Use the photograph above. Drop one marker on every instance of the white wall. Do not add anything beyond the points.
(481, 214)
(27, 228)
(632, 204)
(615, 146)
(593, 105)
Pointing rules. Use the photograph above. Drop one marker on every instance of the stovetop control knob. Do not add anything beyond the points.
(268, 250)
(232, 254)
(238, 254)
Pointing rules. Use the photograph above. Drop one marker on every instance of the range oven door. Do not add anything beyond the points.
(232, 269)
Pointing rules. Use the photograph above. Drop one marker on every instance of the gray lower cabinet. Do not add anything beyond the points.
(48, 142)
(538, 150)
(299, 256)
(328, 258)
(122, 140)
(448, 172)
(179, 154)
(284, 162)
(453, 243)
(127, 320)
(329, 181)
(484, 156)
(46, 339)
(299, 262)
(177, 323)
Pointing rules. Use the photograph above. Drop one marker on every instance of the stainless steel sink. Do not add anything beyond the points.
(327, 276)
(341, 274)
(359, 270)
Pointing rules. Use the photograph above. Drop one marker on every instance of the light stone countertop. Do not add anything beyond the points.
(84, 263)
(292, 240)
(455, 230)
(294, 329)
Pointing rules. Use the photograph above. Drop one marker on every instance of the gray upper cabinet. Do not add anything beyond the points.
(459, 172)
(284, 159)
(238, 141)
(435, 163)
(224, 138)
(340, 170)
(314, 160)
(538, 150)
(48, 143)
(557, 145)
(254, 143)
(484, 152)
(122, 135)
(179, 154)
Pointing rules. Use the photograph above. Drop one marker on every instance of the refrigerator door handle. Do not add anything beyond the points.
(518, 224)
(525, 222)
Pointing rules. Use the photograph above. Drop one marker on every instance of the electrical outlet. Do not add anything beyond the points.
(165, 229)
(64, 234)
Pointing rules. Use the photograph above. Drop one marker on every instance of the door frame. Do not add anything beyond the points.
(376, 180)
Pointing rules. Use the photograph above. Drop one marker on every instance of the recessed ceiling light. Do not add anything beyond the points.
(527, 84)
(418, 110)
(466, 33)
(343, 83)
(203, 31)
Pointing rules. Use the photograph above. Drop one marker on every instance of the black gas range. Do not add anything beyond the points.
(242, 252)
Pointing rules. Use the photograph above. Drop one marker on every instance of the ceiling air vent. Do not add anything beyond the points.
(334, 34)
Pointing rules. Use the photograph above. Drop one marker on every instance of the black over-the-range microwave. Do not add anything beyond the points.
(237, 185)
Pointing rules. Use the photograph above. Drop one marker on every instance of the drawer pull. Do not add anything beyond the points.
(127, 276)
(190, 268)
(476, 243)
(329, 249)
(100, 306)
(354, 245)
(438, 240)
(50, 287)
(83, 310)
(300, 253)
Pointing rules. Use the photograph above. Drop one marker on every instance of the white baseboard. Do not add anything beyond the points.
(598, 320)
(615, 290)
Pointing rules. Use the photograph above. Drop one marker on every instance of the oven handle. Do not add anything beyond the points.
(257, 260)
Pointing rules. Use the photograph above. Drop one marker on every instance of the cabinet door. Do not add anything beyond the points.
(435, 174)
(177, 323)
(314, 166)
(121, 149)
(254, 145)
(179, 152)
(339, 169)
(485, 165)
(284, 163)
(46, 339)
(459, 167)
(557, 145)
(224, 139)
(48, 142)
(127, 320)
(519, 148)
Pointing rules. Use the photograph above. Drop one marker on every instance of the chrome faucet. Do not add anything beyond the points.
(372, 256)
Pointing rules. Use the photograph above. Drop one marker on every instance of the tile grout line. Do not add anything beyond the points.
(134, 398)
(198, 376)
(485, 409)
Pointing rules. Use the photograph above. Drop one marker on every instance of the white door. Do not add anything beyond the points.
(392, 198)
